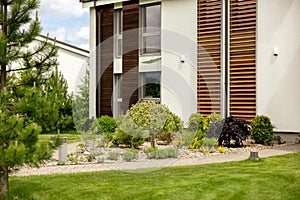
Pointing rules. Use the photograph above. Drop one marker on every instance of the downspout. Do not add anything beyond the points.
(225, 57)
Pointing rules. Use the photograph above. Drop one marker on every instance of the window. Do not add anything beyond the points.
(117, 94)
(150, 85)
(151, 25)
(118, 30)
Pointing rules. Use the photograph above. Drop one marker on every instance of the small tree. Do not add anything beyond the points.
(156, 118)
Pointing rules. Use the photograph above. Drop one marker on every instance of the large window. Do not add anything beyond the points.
(150, 85)
(118, 31)
(151, 26)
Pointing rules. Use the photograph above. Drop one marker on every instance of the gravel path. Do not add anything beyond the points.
(151, 165)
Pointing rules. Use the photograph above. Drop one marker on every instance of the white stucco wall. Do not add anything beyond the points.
(179, 39)
(72, 62)
(72, 65)
(278, 78)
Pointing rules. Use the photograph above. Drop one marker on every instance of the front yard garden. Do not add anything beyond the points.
(270, 178)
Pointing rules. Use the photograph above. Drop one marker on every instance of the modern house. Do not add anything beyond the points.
(234, 57)
(72, 61)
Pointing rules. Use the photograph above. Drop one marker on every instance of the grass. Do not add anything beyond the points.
(70, 137)
(270, 178)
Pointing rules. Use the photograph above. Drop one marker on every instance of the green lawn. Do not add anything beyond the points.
(70, 137)
(271, 178)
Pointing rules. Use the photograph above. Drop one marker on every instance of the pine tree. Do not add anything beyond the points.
(81, 103)
(22, 67)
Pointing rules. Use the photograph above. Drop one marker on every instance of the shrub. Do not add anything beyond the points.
(234, 129)
(198, 140)
(113, 155)
(210, 142)
(130, 155)
(107, 124)
(262, 130)
(196, 122)
(154, 153)
(128, 133)
(156, 118)
(184, 139)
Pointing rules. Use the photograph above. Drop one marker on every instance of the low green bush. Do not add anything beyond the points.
(184, 139)
(130, 155)
(196, 122)
(262, 130)
(113, 155)
(128, 133)
(107, 124)
(169, 152)
(210, 142)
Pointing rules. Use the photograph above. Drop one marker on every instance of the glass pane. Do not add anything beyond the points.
(152, 44)
(151, 85)
(119, 50)
(120, 22)
(152, 18)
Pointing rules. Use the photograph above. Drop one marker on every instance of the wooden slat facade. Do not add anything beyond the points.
(243, 59)
(130, 53)
(209, 57)
(105, 30)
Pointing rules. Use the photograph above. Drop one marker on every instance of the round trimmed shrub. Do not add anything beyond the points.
(262, 130)
(107, 124)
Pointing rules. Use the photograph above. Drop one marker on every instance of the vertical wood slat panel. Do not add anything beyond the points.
(243, 59)
(209, 56)
(130, 53)
(105, 16)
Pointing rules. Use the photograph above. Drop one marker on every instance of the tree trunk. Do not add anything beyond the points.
(152, 140)
(3, 182)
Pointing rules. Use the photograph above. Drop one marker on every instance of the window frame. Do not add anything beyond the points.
(144, 34)
(143, 84)
(118, 33)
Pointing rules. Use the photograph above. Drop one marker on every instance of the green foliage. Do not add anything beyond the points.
(113, 155)
(81, 103)
(130, 155)
(210, 142)
(200, 125)
(169, 152)
(22, 68)
(196, 122)
(48, 104)
(156, 118)
(107, 124)
(129, 133)
(184, 139)
(262, 130)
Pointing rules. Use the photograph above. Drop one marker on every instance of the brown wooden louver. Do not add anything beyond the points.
(242, 67)
(130, 53)
(105, 31)
(242, 59)
(209, 57)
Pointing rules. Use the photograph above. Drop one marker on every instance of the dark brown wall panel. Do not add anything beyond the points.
(209, 57)
(105, 31)
(242, 59)
(130, 53)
